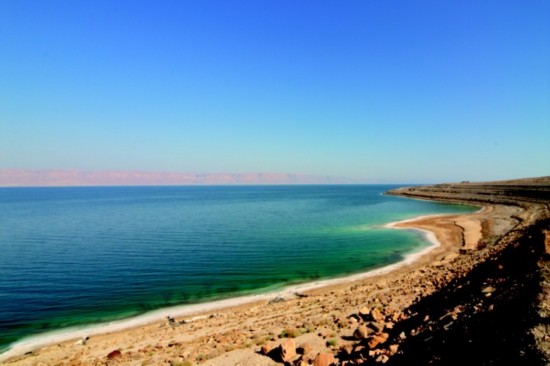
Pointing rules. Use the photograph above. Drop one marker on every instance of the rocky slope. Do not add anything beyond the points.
(504, 300)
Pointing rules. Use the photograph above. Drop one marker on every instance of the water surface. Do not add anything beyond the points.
(74, 256)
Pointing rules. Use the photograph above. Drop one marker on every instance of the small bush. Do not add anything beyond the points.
(289, 333)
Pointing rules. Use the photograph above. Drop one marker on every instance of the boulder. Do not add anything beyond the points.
(287, 350)
(324, 359)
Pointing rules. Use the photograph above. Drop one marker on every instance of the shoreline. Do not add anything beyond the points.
(439, 305)
(36, 342)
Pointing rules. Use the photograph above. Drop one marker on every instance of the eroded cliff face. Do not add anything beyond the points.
(520, 192)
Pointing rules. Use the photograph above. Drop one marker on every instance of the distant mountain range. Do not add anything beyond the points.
(61, 177)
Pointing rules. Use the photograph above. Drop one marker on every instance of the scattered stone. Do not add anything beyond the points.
(377, 327)
(382, 359)
(347, 349)
(353, 318)
(393, 348)
(83, 341)
(171, 321)
(324, 359)
(288, 350)
(378, 339)
(364, 312)
(276, 300)
(488, 290)
(358, 349)
(361, 332)
(376, 315)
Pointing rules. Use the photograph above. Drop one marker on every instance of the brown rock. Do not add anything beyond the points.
(324, 359)
(114, 354)
(288, 350)
(393, 348)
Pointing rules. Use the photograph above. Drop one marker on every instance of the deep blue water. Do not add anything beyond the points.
(72, 256)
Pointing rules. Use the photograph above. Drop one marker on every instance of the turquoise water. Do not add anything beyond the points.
(74, 256)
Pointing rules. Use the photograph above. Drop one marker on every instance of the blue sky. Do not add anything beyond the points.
(385, 91)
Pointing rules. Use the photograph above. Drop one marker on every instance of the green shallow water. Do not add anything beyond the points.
(75, 256)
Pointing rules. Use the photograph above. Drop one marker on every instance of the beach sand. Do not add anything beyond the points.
(319, 317)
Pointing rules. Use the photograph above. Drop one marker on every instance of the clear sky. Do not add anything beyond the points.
(389, 91)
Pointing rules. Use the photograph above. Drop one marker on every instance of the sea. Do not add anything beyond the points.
(75, 256)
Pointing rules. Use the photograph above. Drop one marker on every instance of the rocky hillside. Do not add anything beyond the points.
(512, 192)
(504, 300)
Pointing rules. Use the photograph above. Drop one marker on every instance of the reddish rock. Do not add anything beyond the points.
(114, 354)
(288, 350)
(324, 359)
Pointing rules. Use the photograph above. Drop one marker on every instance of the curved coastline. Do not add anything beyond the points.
(36, 342)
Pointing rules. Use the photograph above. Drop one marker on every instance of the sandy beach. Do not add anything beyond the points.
(369, 318)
